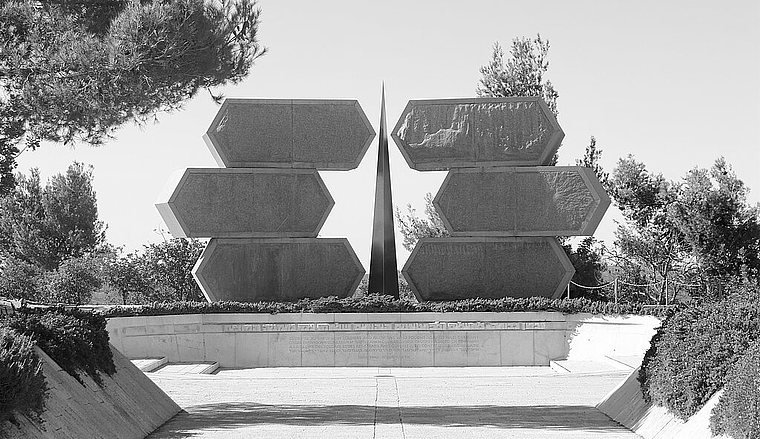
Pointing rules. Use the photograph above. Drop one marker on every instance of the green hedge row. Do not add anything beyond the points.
(375, 303)
(22, 384)
(692, 352)
(76, 340)
(738, 411)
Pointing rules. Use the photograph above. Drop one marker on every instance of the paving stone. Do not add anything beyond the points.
(454, 133)
(521, 201)
(465, 268)
(218, 203)
(290, 133)
(357, 403)
(277, 269)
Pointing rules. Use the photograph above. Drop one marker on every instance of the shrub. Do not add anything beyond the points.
(73, 281)
(378, 303)
(19, 279)
(75, 340)
(22, 384)
(738, 411)
(691, 353)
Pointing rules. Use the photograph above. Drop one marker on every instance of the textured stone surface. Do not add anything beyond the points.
(285, 133)
(373, 339)
(452, 133)
(284, 269)
(523, 201)
(126, 405)
(464, 268)
(216, 203)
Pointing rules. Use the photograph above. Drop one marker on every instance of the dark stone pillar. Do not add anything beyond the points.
(383, 277)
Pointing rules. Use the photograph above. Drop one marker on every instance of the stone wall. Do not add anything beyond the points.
(626, 405)
(128, 405)
(387, 339)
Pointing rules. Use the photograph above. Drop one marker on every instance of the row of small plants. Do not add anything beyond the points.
(374, 303)
(76, 340)
(703, 348)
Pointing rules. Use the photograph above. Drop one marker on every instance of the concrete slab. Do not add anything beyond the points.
(375, 402)
(272, 269)
(289, 133)
(188, 368)
(149, 364)
(477, 132)
(521, 201)
(487, 267)
(244, 203)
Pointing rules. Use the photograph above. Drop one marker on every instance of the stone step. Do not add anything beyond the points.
(149, 364)
(188, 368)
(588, 366)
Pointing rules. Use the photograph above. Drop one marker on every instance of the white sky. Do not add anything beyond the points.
(675, 83)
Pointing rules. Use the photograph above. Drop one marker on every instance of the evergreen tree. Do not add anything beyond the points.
(75, 70)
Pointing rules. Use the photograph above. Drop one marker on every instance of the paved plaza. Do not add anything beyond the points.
(380, 403)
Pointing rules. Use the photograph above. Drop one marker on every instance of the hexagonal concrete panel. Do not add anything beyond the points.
(218, 203)
(289, 133)
(283, 269)
(478, 132)
(522, 201)
(466, 268)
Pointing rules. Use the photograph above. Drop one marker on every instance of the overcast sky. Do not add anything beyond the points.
(676, 84)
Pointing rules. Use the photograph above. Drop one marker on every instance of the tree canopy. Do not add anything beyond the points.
(699, 229)
(45, 225)
(75, 70)
(522, 74)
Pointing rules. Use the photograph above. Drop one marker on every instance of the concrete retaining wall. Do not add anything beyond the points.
(387, 339)
(625, 404)
(129, 405)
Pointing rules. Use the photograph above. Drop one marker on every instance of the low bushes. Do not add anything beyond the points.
(77, 341)
(738, 411)
(22, 384)
(378, 304)
(693, 350)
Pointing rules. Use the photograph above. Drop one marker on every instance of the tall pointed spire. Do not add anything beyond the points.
(383, 275)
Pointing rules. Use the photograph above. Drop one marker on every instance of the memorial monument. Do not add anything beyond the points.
(502, 205)
(499, 203)
(266, 204)
(383, 272)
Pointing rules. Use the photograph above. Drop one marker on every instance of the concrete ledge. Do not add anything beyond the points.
(625, 404)
(129, 405)
(379, 339)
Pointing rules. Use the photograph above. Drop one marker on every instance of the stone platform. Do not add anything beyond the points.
(381, 339)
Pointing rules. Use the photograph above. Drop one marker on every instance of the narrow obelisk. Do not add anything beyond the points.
(383, 275)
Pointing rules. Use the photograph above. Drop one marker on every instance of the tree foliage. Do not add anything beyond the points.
(73, 282)
(522, 74)
(700, 229)
(44, 226)
(76, 70)
(161, 272)
(413, 227)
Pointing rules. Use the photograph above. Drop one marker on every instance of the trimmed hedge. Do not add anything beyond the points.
(375, 303)
(76, 340)
(22, 384)
(694, 349)
(738, 411)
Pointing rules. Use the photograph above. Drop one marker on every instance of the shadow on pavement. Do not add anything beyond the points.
(237, 415)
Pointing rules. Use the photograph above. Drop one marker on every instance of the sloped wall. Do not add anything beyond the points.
(129, 405)
(625, 404)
